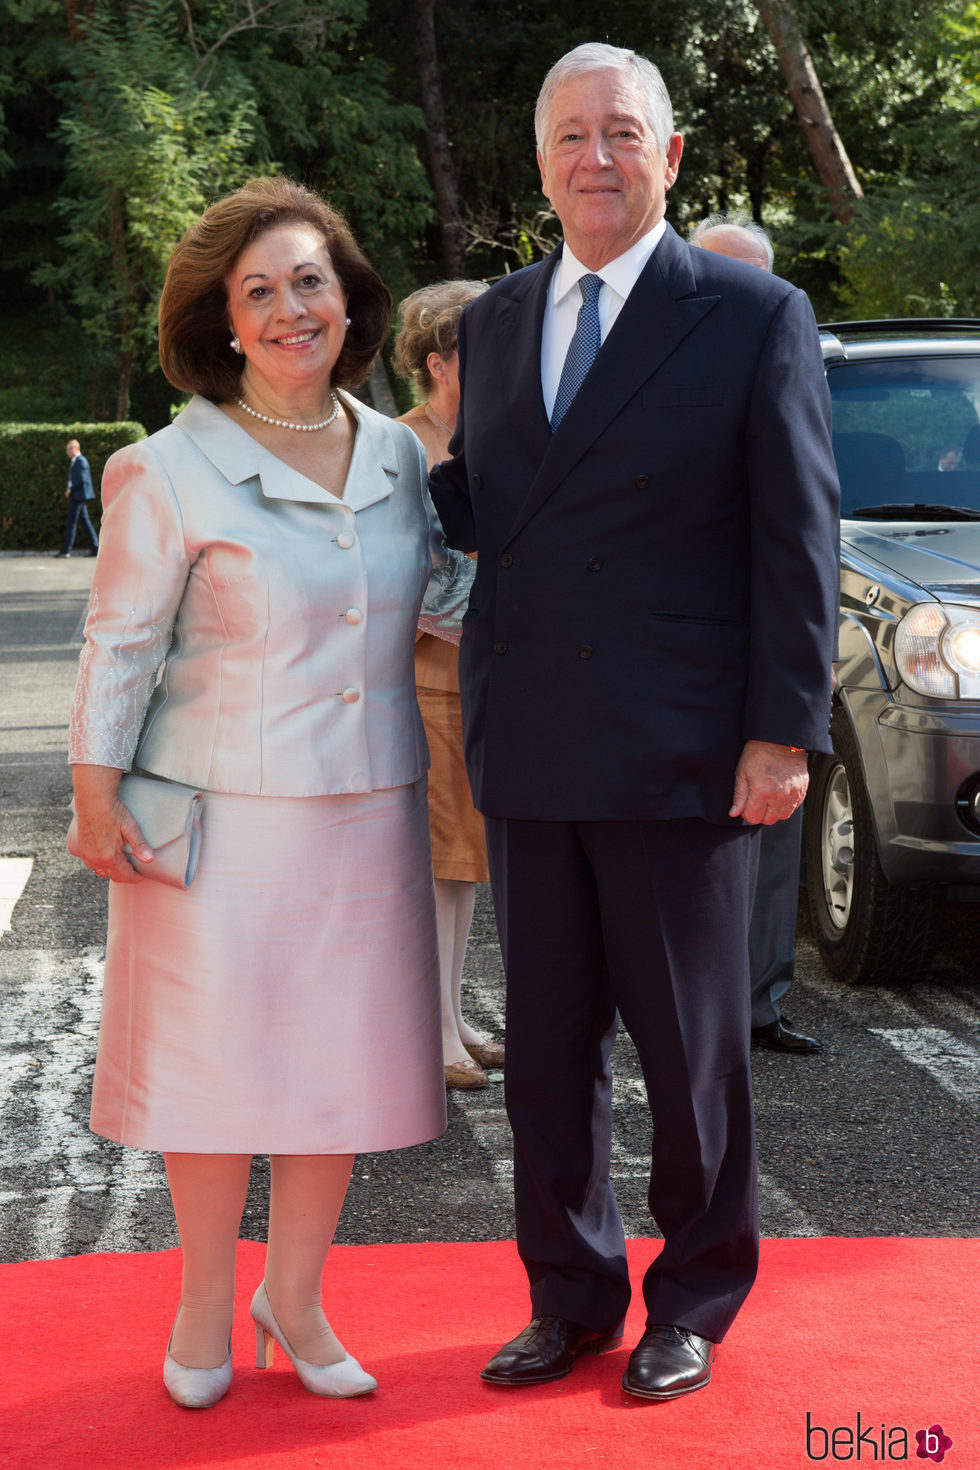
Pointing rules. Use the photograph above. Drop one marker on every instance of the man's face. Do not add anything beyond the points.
(601, 167)
(73, 449)
(950, 459)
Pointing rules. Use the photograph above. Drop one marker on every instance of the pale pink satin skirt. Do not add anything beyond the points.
(288, 1001)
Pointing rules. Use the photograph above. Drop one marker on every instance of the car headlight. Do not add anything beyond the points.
(937, 650)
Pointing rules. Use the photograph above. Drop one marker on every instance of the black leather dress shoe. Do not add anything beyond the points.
(667, 1362)
(779, 1036)
(545, 1350)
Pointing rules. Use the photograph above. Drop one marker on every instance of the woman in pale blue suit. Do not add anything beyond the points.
(263, 563)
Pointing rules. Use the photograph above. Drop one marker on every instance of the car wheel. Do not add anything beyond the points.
(868, 931)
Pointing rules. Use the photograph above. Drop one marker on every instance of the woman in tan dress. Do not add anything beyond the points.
(425, 351)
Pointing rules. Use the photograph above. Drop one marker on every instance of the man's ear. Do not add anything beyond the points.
(672, 158)
(540, 157)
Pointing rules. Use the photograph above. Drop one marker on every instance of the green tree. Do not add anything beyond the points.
(145, 110)
(823, 140)
(913, 247)
(145, 147)
(326, 109)
(130, 116)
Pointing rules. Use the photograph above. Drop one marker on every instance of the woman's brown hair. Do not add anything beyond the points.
(195, 351)
(430, 320)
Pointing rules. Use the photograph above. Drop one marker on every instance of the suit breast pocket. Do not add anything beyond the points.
(662, 392)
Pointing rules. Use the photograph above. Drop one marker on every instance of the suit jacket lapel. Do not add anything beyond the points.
(662, 309)
(519, 323)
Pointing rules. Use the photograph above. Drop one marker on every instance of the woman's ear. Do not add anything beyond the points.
(436, 367)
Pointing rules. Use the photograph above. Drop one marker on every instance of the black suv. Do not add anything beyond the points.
(893, 817)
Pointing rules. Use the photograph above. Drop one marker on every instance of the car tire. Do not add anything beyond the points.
(868, 931)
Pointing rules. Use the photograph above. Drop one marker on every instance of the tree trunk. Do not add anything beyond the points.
(124, 371)
(440, 157)
(826, 148)
(125, 352)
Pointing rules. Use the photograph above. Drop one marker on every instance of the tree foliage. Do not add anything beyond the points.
(913, 248)
(121, 119)
(154, 107)
(145, 147)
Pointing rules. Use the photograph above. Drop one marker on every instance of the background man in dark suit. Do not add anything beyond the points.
(772, 929)
(644, 662)
(80, 490)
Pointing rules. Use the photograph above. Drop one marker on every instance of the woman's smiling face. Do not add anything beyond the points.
(287, 308)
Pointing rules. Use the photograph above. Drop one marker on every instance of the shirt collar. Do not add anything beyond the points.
(621, 274)
(239, 457)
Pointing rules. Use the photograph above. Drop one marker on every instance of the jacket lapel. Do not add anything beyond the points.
(518, 325)
(662, 309)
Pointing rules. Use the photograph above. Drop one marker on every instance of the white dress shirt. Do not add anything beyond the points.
(618, 276)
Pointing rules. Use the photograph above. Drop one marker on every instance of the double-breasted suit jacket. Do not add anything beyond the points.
(657, 579)
(656, 585)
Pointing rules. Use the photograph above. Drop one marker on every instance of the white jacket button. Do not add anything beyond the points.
(345, 540)
(351, 695)
(353, 615)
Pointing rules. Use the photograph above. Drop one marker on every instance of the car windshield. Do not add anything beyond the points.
(907, 436)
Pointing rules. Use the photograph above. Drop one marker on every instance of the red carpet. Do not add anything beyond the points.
(884, 1329)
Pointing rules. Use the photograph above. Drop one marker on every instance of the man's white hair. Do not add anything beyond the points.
(597, 56)
(735, 222)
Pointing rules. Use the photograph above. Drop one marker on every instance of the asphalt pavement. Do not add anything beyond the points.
(876, 1135)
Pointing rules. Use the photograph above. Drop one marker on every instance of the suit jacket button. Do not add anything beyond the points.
(500, 647)
(585, 651)
(594, 564)
(642, 482)
(506, 560)
(477, 482)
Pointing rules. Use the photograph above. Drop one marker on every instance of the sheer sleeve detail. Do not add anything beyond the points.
(116, 676)
(448, 592)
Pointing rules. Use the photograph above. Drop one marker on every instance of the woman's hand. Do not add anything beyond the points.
(102, 826)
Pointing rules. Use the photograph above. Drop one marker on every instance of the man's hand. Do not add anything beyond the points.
(770, 782)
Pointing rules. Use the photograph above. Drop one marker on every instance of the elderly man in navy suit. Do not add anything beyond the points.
(643, 461)
(80, 490)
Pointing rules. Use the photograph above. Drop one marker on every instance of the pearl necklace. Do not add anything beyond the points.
(285, 423)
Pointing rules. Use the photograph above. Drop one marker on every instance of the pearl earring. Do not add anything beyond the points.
(348, 321)
(236, 346)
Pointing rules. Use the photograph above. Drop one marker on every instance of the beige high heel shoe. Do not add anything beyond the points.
(343, 1380)
(487, 1054)
(195, 1388)
(465, 1076)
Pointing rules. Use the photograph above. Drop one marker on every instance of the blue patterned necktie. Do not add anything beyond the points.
(581, 350)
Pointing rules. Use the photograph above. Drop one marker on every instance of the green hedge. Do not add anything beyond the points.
(34, 477)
